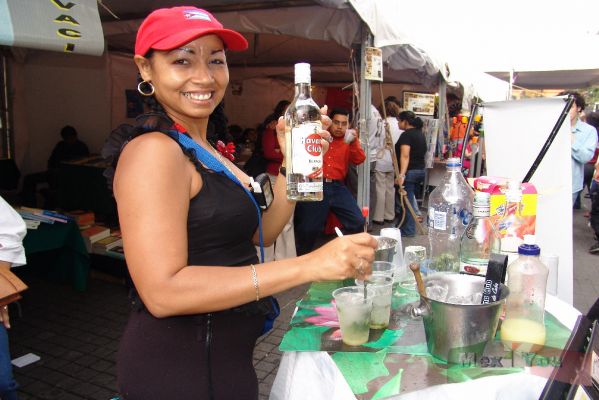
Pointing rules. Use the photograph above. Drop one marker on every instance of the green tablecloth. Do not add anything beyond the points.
(396, 359)
(72, 260)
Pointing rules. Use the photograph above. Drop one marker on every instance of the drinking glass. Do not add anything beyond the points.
(413, 254)
(353, 311)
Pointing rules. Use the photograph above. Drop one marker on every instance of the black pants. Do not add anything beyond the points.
(205, 356)
(595, 209)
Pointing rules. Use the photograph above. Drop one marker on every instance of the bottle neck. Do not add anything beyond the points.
(303, 90)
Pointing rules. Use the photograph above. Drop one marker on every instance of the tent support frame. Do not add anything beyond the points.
(365, 100)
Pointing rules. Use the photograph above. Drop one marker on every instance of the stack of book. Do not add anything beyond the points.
(94, 234)
(84, 219)
(102, 246)
(33, 217)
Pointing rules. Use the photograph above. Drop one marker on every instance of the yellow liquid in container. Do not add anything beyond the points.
(522, 335)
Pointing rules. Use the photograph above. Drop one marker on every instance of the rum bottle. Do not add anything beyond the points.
(303, 148)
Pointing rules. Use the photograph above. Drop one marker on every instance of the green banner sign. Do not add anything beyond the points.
(57, 25)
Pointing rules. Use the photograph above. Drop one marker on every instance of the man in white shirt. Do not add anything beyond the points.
(376, 131)
(12, 254)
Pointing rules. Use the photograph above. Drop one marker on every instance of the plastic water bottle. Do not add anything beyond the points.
(480, 238)
(523, 328)
(449, 212)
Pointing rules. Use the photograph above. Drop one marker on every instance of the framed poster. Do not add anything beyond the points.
(374, 64)
(419, 103)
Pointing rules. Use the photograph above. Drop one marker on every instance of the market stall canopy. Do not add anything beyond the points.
(548, 43)
(564, 79)
(280, 33)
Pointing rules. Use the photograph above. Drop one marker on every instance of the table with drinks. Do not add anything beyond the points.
(473, 324)
(334, 350)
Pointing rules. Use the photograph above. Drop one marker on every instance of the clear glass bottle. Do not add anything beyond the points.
(510, 224)
(449, 212)
(303, 148)
(480, 238)
(523, 328)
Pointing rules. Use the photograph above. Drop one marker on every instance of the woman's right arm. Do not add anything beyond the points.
(153, 185)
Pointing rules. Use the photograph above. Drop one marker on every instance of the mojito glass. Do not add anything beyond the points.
(353, 311)
(382, 288)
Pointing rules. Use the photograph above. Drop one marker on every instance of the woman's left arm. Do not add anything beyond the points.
(404, 160)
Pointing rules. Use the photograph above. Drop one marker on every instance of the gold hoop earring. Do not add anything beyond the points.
(142, 84)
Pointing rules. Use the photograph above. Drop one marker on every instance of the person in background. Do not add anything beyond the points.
(410, 150)
(592, 118)
(236, 132)
(200, 302)
(594, 214)
(584, 142)
(376, 131)
(310, 216)
(284, 246)
(12, 254)
(45, 182)
(384, 211)
(69, 148)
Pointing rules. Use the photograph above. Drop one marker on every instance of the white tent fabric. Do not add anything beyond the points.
(322, 33)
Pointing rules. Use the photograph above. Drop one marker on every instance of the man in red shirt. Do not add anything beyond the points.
(310, 217)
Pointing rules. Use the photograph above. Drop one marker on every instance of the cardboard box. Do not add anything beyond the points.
(496, 187)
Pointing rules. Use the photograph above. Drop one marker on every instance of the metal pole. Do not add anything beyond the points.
(552, 135)
(364, 111)
(473, 112)
(5, 118)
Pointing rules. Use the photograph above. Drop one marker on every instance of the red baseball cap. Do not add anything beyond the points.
(169, 28)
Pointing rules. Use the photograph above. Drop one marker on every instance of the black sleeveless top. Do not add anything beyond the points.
(221, 220)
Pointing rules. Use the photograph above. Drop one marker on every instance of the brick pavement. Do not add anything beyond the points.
(76, 334)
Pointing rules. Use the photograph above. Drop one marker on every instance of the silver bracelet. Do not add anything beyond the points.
(255, 282)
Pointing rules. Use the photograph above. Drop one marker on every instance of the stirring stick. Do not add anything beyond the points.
(340, 234)
(365, 215)
(415, 267)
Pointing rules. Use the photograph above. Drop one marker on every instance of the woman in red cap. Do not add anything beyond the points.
(189, 231)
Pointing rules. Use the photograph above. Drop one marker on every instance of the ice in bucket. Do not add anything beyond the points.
(455, 323)
(353, 311)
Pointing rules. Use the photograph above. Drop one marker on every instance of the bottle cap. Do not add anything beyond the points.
(453, 162)
(302, 73)
(529, 248)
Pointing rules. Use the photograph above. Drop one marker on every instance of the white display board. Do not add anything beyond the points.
(515, 132)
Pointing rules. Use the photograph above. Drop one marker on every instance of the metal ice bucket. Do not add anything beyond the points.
(385, 249)
(455, 331)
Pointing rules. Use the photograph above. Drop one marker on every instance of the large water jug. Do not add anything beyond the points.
(449, 212)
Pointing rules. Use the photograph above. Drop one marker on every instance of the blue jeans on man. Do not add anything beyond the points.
(310, 217)
(8, 386)
(414, 178)
(594, 214)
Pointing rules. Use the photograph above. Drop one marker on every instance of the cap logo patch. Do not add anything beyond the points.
(194, 14)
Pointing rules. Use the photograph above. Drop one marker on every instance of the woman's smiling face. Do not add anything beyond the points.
(189, 81)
